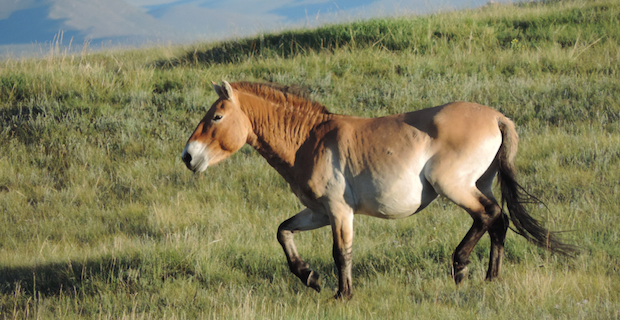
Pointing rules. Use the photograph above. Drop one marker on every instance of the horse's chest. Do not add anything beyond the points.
(323, 188)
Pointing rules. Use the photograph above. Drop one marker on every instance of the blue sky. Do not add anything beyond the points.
(217, 19)
(300, 10)
(24, 22)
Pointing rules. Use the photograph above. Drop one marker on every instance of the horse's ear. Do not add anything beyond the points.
(219, 91)
(227, 89)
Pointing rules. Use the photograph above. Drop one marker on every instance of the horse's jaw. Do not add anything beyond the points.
(196, 156)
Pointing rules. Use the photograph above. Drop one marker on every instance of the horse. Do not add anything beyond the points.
(388, 167)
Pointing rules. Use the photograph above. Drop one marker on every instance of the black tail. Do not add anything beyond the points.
(514, 196)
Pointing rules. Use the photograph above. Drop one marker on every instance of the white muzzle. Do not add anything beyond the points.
(195, 156)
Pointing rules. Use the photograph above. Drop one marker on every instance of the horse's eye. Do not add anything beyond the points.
(217, 118)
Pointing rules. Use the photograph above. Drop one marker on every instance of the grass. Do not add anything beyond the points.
(100, 219)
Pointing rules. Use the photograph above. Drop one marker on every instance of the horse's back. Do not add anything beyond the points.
(455, 126)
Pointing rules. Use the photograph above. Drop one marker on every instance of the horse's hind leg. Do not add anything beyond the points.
(302, 221)
(485, 212)
(497, 232)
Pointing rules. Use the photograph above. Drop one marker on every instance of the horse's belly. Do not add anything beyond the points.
(392, 200)
(390, 209)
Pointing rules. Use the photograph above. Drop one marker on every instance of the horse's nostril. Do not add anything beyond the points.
(187, 158)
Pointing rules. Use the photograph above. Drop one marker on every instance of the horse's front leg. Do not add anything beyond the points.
(342, 230)
(302, 221)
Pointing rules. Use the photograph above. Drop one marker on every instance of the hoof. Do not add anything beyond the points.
(460, 274)
(313, 281)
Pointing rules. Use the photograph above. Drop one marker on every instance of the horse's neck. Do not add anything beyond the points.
(279, 131)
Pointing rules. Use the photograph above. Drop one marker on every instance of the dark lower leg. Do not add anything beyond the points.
(343, 260)
(497, 232)
(460, 258)
(485, 211)
(305, 220)
(297, 265)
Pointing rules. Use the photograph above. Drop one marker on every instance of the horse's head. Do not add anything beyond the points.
(222, 131)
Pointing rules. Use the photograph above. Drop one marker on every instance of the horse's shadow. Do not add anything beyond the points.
(131, 272)
(127, 271)
(56, 278)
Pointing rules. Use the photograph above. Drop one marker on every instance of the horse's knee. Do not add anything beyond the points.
(280, 235)
(283, 234)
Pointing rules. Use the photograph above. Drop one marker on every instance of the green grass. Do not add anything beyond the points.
(99, 218)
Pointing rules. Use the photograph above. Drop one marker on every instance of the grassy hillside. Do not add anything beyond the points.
(99, 218)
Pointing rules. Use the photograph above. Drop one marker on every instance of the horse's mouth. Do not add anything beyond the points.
(190, 167)
(197, 166)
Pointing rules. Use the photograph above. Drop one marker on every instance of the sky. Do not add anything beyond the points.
(31, 23)
(224, 18)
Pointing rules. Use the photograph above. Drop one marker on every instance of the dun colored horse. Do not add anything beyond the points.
(389, 167)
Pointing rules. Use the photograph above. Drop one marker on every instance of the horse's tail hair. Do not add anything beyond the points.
(514, 196)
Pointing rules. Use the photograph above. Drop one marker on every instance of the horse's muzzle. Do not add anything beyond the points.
(187, 159)
(195, 157)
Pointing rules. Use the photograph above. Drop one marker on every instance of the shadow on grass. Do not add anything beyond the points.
(376, 32)
(17, 121)
(67, 277)
(432, 262)
(129, 272)
(135, 272)
(132, 273)
(284, 45)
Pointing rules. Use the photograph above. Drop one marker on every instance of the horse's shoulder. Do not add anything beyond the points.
(333, 127)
